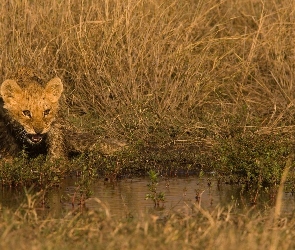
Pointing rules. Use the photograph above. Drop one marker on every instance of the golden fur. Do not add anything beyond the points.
(29, 116)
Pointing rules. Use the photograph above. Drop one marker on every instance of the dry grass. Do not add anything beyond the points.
(140, 64)
(189, 228)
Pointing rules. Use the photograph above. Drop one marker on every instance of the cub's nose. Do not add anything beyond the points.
(38, 130)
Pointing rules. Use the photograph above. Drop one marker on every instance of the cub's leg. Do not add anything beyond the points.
(55, 142)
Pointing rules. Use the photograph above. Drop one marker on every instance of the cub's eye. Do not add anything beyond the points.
(46, 112)
(27, 113)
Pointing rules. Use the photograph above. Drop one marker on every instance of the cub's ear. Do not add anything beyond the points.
(10, 92)
(53, 89)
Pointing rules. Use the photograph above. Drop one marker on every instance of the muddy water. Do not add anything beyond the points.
(127, 197)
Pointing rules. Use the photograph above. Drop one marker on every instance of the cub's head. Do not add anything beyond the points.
(32, 107)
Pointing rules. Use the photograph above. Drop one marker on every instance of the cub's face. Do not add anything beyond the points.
(32, 107)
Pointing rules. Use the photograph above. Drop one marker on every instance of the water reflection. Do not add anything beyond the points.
(127, 197)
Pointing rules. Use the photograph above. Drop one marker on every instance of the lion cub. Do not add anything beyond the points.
(29, 116)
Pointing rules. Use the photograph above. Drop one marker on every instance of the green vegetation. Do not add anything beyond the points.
(253, 159)
(24, 172)
(188, 84)
(154, 195)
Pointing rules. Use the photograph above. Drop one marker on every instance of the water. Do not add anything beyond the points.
(126, 197)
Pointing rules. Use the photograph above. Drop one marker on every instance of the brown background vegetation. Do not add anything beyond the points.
(138, 66)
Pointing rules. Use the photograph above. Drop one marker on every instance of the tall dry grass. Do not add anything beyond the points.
(138, 64)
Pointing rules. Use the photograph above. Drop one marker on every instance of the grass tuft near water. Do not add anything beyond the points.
(189, 228)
